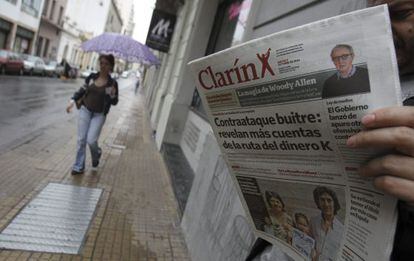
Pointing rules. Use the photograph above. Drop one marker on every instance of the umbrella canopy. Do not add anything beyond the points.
(121, 46)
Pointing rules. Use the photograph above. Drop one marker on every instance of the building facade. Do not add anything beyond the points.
(50, 29)
(83, 20)
(19, 23)
(215, 224)
(127, 11)
(113, 21)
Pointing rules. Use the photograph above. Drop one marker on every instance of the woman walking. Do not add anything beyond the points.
(94, 100)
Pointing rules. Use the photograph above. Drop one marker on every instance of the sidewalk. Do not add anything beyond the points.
(136, 217)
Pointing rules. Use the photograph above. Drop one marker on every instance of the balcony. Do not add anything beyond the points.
(45, 19)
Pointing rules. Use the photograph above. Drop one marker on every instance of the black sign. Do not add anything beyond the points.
(160, 31)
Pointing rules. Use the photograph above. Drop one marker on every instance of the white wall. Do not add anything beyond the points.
(193, 139)
(71, 41)
(190, 41)
(89, 16)
(13, 13)
(214, 222)
(81, 16)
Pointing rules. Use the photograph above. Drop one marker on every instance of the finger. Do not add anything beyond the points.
(390, 117)
(397, 187)
(392, 165)
(398, 138)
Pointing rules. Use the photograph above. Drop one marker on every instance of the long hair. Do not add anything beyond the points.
(271, 194)
(317, 193)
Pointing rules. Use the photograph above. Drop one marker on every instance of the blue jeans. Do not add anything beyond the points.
(89, 128)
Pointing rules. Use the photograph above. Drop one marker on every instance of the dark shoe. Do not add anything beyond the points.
(95, 163)
(75, 172)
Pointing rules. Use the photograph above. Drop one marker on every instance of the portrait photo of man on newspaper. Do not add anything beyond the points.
(348, 78)
(326, 229)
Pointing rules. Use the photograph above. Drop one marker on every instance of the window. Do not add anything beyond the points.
(45, 7)
(39, 46)
(31, 7)
(3, 38)
(60, 16)
(52, 10)
(23, 40)
(5, 28)
(227, 30)
(46, 49)
(21, 45)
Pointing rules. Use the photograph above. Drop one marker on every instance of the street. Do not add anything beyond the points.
(31, 104)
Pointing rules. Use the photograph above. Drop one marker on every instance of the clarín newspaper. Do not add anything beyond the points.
(282, 109)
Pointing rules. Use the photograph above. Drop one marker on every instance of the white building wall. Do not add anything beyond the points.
(194, 27)
(81, 17)
(194, 135)
(66, 39)
(114, 20)
(168, 62)
(214, 222)
(89, 16)
(13, 13)
(126, 9)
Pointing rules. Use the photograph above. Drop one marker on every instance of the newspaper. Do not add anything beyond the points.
(282, 107)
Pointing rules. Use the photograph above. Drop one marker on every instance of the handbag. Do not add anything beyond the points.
(79, 102)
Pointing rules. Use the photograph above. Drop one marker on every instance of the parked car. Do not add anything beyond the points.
(125, 74)
(86, 73)
(33, 65)
(115, 75)
(10, 63)
(52, 69)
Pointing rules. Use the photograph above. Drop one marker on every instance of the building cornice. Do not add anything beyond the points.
(48, 21)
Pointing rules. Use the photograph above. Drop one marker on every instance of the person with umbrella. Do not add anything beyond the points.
(94, 100)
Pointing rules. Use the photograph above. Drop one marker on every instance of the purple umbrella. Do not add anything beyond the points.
(121, 46)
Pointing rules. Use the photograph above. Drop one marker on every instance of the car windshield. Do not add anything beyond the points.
(52, 63)
(31, 58)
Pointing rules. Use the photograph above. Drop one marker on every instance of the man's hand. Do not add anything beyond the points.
(390, 128)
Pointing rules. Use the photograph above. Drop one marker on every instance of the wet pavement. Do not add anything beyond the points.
(29, 104)
(137, 215)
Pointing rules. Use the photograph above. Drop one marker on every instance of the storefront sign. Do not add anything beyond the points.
(160, 31)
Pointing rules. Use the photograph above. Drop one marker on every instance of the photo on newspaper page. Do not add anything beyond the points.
(282, 107)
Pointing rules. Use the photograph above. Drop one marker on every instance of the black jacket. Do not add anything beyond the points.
(108, 100)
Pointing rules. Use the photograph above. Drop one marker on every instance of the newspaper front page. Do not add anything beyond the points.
(282, 109)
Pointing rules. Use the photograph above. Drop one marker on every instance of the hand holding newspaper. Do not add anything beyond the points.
(282, 108)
